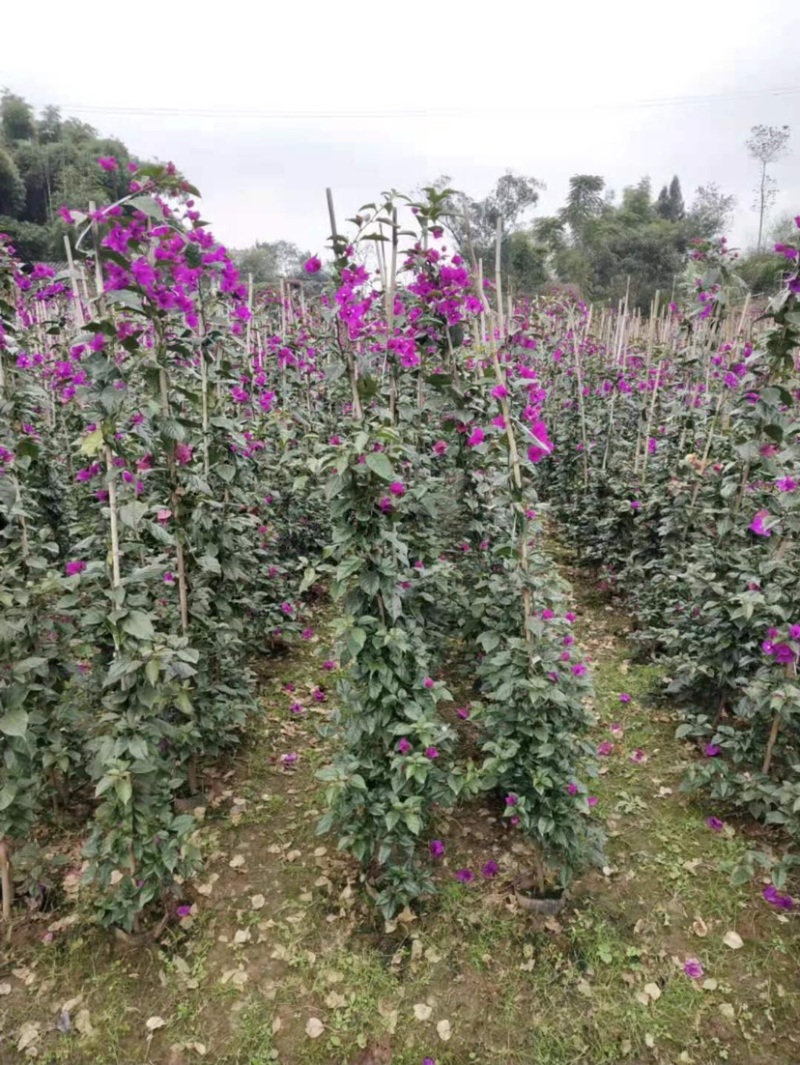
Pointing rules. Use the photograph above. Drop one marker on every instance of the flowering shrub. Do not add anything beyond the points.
(676, 473)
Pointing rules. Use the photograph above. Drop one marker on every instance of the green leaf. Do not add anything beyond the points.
(210, 564)
(92, 442)
(132, 513)
(139, 625)
(380, 465)
(14, 723)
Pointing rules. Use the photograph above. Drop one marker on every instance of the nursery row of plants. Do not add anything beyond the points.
(187, 467)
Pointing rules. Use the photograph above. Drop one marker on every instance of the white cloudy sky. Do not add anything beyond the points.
(264, 105)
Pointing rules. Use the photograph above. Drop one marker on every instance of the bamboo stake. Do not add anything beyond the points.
(352, 368)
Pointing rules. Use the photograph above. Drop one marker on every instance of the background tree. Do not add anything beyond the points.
(269, 261)
(670, 204)
(767, 144)
(584, 203)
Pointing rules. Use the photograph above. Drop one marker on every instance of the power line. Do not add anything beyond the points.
(233, 113)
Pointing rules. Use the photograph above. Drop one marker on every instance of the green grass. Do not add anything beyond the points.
(516, 989)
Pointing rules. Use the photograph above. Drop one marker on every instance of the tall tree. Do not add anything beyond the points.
(16, 118)
(766, 144)
(669, 205)
(584, 202)
(710, 213)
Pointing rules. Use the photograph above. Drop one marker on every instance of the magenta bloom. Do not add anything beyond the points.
(616, 731)
(757, 524)
(290, 758)
(490, 869)
(624, 697)
(313, 265)
(404, 746)
(794, 632)
(428, 682)
(329, 664)
(397, 488)
(711, 750)
(572, 788)
(783, 653)
(319, 695)
(715, 824)
(511, 800)
(693, 969)
(436, 847)
(638, 756)
(286, 608)
(592, 800)
(605, 748)
(108, 163)
(635, 504)
(307, 634)
(428, 1061)
(475, 437)
(785, 484)
(183, 454)
(499, 391)
(542, 445)
(76, 566)
(296, 708)
(774, 898)
(183, 911)
(169, 578)
(439, 447)
(579, 669)
(463, 712)
(431, 752)
(466, 876)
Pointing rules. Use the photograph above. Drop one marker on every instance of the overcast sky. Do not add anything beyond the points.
(263, 105)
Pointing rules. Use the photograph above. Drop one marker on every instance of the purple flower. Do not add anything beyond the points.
(428, 1061)
(711, 750)
(693, 968)
(436, 848)
(785, 484)
(490, 869)
(307, 634)
(77, 566)
(572, 788)
(715, 824)
(616, 730)
(428, 682)
(431, 752)
(783, 653)
(466, 876)
(397, 488)
(318, 695)
(286, 608)
(184, 911)
(290, 758)
(635, 504)
(463, 712)
(499, 391)
(774, 898)
(511, 800)
(757, 524)
(296, 708)
(592, 800)
(475, 437)
(108, 163)
(183, 454)
(794, 632)
(169, 578)
(439, 447)
(605, 748)
(579, 669)
(638, 756)
(404, 746)
(313, 265)
(624, 697)
(329, 664)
